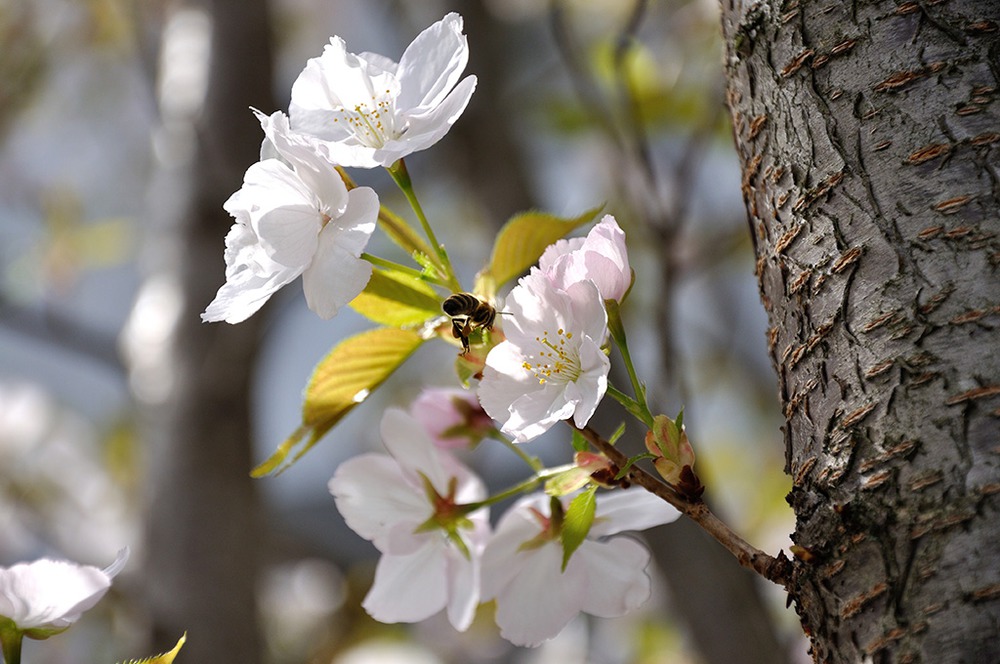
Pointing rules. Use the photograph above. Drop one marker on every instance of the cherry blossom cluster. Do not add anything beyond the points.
(294, 215)
(540, 360)
(551, 366)
(426, 513)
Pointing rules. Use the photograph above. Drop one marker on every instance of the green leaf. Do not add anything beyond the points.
(343, 379)
(524, 238)
(401, 232)
(576, 525)
(618, 433)
(397, 299)
(580, 443)
(631, 462)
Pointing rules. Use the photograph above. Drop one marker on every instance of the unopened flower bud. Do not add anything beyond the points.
(452, 417)
(668, 442)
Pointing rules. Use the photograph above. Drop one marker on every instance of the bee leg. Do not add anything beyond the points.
(466, 331)
(461, 330)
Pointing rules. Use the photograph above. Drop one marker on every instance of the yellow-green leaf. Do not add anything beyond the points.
(165, 658)
(576, 525)
(343, 379)
(523, 239)
(401, 232)
(397, 299)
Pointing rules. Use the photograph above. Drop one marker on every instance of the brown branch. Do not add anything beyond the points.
(778, 570)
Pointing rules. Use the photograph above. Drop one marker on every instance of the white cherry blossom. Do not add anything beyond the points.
(551, 366)
(605, 577)
(370, 111)
(600, 257)
(408, 506)
(294, 216)
(45, 597)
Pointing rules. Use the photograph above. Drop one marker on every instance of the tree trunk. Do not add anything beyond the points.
(869, 137)
(194, 379)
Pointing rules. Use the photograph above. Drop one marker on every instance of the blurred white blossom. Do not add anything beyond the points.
(44, 597)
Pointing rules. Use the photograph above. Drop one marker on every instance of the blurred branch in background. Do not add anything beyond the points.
(53, 327)
(192, 381)
(484, 148)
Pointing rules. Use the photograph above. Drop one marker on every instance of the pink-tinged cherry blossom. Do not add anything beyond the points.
(605, 577)
(410, 505)
(452, 417)
(551, 366)
(294, 216)
(370, 111)
(601, 257)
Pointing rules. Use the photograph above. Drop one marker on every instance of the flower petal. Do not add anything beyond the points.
(432, 63)
(356, 225)
(557, 250)
(541, 599)
(615, 570)
(587, 310)
(373, 495)
(630, 509)
(463, 588)
(408, 588)
(49, 594)
(593, 381)
(338, 79)
(246, 288)
(533, 414)
(302, 154)
(334, 278)
(517, 526)
(600, 257)
(413, 449)
(425, 130)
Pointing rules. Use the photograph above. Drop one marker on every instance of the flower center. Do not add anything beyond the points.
(372, 124)
(555, 360)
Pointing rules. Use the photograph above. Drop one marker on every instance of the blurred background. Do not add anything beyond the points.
(125, 421)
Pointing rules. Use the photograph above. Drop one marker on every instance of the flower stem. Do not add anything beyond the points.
(11, 645)
(401, 177)
(394, 226)
(520, 487)
(533, 462)
(617, 330)
(402, 233)
(392, 265)
(637, 409)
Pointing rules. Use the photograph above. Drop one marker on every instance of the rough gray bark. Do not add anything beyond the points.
(869, 135)
(202, 535)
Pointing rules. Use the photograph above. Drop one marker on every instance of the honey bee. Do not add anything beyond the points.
(468, 313)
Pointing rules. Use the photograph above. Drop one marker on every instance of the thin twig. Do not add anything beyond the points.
(61, 330)
(586, 88)
(636, 125)
(777, 570)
